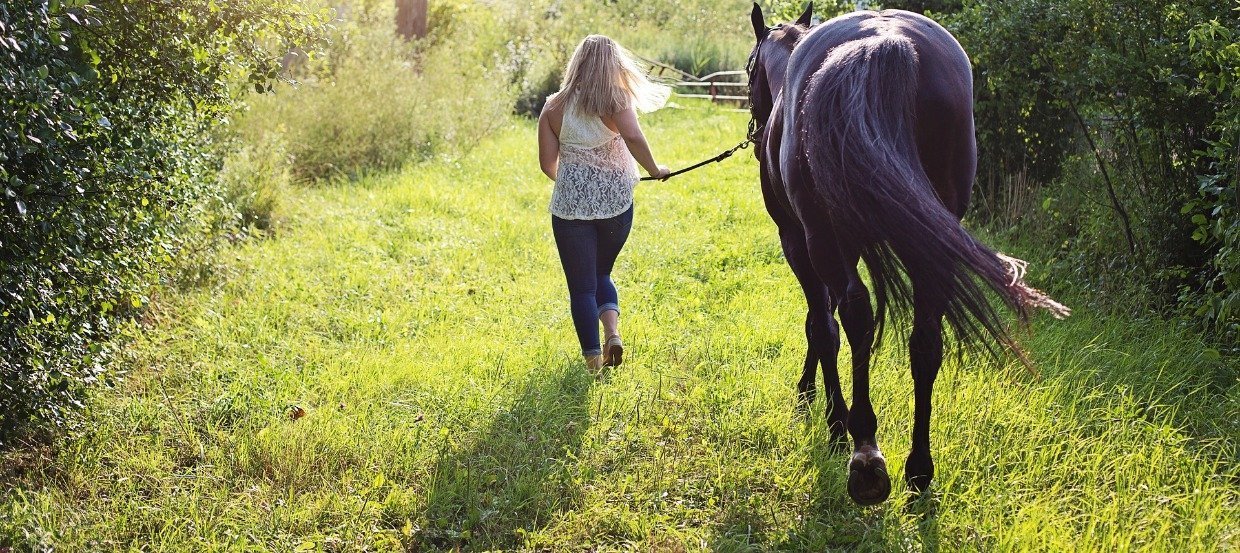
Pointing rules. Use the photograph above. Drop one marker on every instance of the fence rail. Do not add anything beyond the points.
(720, 86)
(716, 87)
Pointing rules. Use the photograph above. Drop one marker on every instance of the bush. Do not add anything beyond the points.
(254, 179)
(1215, 211)
(1115, 122)
(376, 101)
(105, 165)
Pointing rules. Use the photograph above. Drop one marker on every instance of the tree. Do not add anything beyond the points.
(411, 18)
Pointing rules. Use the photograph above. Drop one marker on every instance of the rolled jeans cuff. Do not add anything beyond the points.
(609, 307)
(591, 352)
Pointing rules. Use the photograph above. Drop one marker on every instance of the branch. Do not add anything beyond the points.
(1106, 177)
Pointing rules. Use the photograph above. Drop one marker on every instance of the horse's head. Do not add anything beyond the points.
(769, 59)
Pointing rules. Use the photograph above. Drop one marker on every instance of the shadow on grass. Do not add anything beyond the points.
(831, 521)
(519, 473)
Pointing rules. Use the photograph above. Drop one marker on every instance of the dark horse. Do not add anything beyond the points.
(864, 131)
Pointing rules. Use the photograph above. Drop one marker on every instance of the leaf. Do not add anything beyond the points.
(296, 412)
(21, 208)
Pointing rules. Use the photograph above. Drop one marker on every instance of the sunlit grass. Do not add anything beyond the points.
(421, 321)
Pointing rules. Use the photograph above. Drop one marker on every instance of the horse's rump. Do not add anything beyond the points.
(858, 113)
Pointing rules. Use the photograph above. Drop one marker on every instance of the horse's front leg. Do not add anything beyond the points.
(822, 336)
(925, 356)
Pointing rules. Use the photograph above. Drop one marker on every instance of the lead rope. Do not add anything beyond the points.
(751, 137)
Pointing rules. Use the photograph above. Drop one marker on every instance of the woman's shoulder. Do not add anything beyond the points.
(555, 103)
(558, 98)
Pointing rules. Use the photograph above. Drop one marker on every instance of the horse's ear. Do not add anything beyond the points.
(807, 16)
(759, 23)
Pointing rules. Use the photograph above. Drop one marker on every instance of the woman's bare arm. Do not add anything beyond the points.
(548, 146)
(628, 127)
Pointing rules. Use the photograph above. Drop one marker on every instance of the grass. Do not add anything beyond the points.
(420, 321)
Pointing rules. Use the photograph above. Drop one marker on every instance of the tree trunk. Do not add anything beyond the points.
(411, 18)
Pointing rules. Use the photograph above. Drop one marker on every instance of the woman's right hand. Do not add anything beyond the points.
(661, 172)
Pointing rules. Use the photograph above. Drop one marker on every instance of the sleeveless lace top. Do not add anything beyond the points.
(596, 174)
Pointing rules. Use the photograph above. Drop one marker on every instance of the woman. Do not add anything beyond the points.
(588, 142)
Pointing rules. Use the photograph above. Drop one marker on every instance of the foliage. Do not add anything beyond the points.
(1104, 112)
(420, 321)
(255, 179)
(373, 101)
(1215, 212)
(104, 167)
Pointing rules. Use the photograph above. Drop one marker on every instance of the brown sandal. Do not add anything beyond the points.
(613, 352)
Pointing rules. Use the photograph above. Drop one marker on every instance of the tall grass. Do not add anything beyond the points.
(374, 101)
(420, 322)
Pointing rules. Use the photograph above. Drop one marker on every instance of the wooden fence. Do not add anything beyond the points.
(726, 87)
(720, 86)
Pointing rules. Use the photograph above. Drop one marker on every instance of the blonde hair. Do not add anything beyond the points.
(605, 79)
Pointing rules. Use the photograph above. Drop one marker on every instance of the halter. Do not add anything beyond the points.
(755, 128)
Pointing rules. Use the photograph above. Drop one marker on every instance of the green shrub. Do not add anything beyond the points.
(254, 178)
(376, 101)
(1215, 211)
(1114, 123)
(106, 164)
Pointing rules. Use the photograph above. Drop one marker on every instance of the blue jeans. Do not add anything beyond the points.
(588, 250)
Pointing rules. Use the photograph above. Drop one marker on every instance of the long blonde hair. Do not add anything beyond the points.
(605, 79)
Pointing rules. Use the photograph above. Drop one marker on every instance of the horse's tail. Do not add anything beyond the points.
(864, 162)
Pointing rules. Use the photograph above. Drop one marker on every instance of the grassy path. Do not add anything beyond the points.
(421, 322)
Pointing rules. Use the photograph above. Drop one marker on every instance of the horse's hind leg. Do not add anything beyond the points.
(925, 356)
(868, 480)
(822, 336)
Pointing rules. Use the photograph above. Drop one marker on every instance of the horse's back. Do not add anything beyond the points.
(943, 65)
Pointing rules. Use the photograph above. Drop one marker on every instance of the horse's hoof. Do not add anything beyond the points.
(918, 472)
(806, 395)
(868, 481)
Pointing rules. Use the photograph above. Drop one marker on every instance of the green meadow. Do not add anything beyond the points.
(394, 369)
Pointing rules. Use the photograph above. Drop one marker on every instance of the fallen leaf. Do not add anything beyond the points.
(296, 412)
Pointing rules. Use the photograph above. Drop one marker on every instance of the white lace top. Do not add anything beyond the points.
(596, 174)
